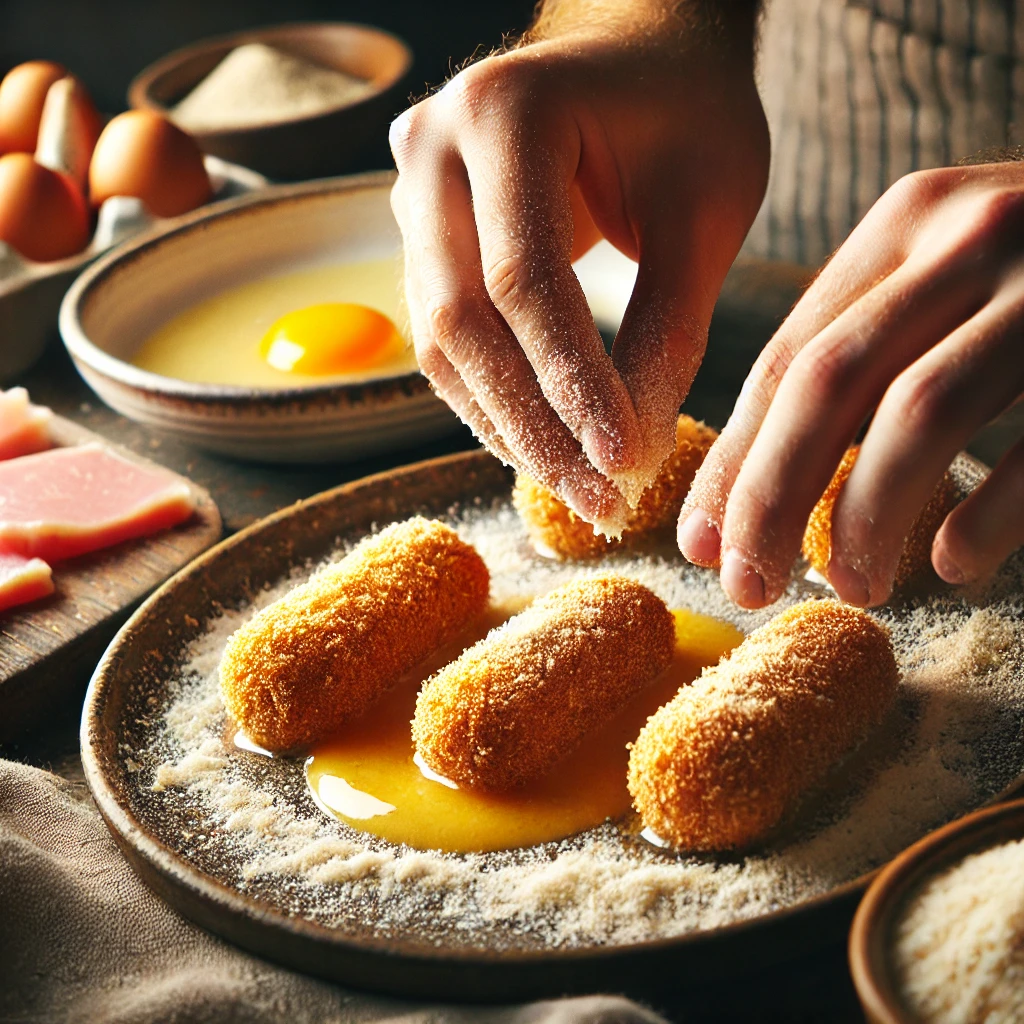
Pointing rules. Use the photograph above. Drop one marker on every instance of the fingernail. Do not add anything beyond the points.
(699, 539)
(585, 491)
(608, 448)
(595, 504)
(741, 581)
(849, 584)
(947, 568)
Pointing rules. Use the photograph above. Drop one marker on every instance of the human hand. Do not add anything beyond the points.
(918, 317)
(644, 132)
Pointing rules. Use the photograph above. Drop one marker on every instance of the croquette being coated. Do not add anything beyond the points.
(721, 764)
(328, 649)
(916, 560)
(518, 701)
(553, 526)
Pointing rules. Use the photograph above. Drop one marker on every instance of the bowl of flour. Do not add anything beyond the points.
(291, 101)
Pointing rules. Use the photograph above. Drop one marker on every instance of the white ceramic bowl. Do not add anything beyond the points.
(116, 304)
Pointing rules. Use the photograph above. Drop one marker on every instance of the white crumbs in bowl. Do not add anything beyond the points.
(959, 952)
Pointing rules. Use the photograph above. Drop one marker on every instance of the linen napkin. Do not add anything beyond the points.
(83, 940)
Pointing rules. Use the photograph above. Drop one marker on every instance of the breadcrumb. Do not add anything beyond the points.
(522, 698)
(328, 649)
(721, 763)
(916, 561)
(958, 944)
(553, 526)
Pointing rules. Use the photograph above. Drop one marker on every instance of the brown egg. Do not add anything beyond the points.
(68, 130)
(141, 154)
(42, 214)
(22, 94)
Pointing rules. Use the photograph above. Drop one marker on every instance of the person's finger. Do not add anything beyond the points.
(875, 249)
(525, 227)
(443, 377)
(661, 340)
(927, 415)
(450, 387)
(823, 398)
(985, 528)
(452, 316)
(699, 533)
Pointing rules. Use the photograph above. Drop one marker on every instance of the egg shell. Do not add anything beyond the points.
(68, 130)
(140, 153)
(22, 95)
(43, 215)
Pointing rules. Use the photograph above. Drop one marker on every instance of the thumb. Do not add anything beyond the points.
(658, 350)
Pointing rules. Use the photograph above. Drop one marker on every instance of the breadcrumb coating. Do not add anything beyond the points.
(553, 526)
(721, 764)
(522, 698)
(328, 649)
(916, 560)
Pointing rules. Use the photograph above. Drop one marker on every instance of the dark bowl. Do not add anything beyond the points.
(311, 146)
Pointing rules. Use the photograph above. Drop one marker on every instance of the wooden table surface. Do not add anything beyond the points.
(815, 988)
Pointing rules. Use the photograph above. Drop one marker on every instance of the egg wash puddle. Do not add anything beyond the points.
(369, 776)
(341, 323)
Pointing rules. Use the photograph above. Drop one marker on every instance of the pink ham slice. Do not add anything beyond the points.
(68, 501)
(23, 579)
(24, 427)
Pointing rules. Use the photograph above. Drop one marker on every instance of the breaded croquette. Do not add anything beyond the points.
(328, 649)
(553, 526)
(514, 704)
(721, 764)
(916, 559)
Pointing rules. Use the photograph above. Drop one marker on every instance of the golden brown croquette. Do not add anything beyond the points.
(522, 698)
(720, 764)
(916, 560)
(553, 526)
(328, 649)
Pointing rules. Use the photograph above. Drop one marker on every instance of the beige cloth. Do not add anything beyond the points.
(860, 92)
(83, 940)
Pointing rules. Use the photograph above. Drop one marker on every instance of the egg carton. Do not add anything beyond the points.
(31, 293)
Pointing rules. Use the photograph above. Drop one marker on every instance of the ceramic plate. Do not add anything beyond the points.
(234, 841)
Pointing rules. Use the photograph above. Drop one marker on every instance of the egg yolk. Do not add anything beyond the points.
(330, 338)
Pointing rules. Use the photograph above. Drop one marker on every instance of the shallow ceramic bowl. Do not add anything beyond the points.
(292, 148)
(872, 938)
(30, 292)
(123, 298)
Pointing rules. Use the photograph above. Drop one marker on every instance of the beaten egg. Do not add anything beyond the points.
(370, 776)
(313, 326)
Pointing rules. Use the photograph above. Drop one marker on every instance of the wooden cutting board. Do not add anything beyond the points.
(49, 648)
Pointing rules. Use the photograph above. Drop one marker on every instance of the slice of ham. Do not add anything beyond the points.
(24, 427)
(68, 501)
(22, 580)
